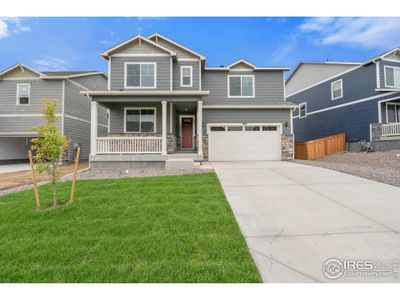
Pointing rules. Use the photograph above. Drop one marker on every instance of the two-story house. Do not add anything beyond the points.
(22, 90)
(360, 99)
(165, 104)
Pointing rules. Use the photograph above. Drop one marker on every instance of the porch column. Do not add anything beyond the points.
(93, 127)
(200, 127)
(164, 128)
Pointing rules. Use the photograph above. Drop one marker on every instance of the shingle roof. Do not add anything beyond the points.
(66, 73)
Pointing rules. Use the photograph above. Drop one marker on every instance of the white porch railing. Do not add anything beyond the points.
(391, 129)
(129, 145)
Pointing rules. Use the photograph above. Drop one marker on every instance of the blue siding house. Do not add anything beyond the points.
(360, 99)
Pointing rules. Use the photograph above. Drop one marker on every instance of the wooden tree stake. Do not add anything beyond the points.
(71, 198)
(35, 188)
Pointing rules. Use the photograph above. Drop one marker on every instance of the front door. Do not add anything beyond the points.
(187, 132)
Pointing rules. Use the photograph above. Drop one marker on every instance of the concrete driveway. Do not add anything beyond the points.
(295, 217)
(14, 168)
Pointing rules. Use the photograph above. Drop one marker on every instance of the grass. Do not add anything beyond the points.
(157, 229)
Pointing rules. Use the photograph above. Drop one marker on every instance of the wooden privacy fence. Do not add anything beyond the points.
(320, 147)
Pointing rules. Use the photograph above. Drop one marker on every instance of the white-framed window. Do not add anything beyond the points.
(23, 93)
(241, 86)
(393, 112)
(186, 76)
(392, 76)
(276, 127)
(303, 110)
(141, 75)
(337, 89)
(140, 119)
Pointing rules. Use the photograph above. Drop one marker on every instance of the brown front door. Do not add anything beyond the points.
(187, 132)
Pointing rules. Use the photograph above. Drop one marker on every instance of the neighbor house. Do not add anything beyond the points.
(22, 91)
(360, 99)
(167, 106)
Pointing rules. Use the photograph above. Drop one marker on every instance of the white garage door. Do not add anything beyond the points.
(233, 142)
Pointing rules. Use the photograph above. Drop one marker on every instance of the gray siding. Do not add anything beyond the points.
(269, 87)
(92, 82)
(382, 65)
(40, 90)
(177, 75)
(247, 116)
(353, 120)
(163, 71)
(21, 124)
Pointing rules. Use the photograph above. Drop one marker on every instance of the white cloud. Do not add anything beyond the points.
(49, 63)
(9, 26)
(370, 33)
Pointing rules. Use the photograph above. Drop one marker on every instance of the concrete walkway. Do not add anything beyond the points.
(294, 217)
(14, 168)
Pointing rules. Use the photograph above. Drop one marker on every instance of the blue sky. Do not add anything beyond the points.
(75, 43)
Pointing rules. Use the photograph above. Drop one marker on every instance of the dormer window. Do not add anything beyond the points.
(23, 93)
(186, 76)
(140, 75)
(241, 86)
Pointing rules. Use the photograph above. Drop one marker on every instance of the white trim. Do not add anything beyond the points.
(140, 77)
(241, 70)
(63, 107)
(157, 35)
(256, 69)
(170, 116)
(22, 66)
(83, 120)
(140, 108)
(284, 86)
(191, 76)
(355, 102)
(21, 79)
(18, 134)
(200, 76)
(386, 115)
(171, 75)
(305, 104)
(209, 125)
(193, 129)
(109, 75)
(241, 89)
(146, 93)
(378, 75)
(370, 132)
(341, 89)
(140, 55)
(199, 125)
(291, 121)
(164, 106)
(188, 59)
(391, 60)
(249, 106)
(29, 96)
(106, 53)
(108, 112)
(384, 74)
(24, 115)
(241, 61)
(379, 112)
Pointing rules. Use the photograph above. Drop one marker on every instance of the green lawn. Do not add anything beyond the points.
(158, 229)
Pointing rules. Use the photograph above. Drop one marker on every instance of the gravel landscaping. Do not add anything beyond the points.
(379, 166)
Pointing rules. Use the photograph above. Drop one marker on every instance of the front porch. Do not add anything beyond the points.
(145, 134)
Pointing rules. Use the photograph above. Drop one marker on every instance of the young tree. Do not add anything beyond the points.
(49, 147)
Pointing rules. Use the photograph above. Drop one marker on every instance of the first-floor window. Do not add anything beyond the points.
(392, 76)
(23, 93)
(303, 110)
(140, 120)
(393, 113)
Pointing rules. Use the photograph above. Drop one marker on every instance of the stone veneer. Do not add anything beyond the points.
(376, 130)
(171, 144)
(287, 146)
(205, 147)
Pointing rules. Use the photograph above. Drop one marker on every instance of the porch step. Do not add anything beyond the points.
(172, 164)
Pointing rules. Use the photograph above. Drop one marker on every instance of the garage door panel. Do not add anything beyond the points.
(244, 145)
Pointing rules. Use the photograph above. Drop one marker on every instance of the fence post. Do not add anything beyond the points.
(71, 198)
(35, 188)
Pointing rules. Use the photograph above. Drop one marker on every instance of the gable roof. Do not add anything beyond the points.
(21, 66)
(157, 35)
(243, 61)
(139, 38)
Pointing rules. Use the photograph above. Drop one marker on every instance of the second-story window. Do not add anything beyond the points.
(392, 76)
(303, 110)
(23, 93)
(241, 86)
(337, 89)
(140, 75)
(186, 76)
